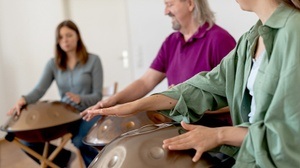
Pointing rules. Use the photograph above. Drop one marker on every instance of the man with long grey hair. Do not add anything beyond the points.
(197, 44)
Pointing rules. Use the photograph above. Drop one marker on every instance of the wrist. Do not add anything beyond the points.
(22, 101)
(114, 100)
(133, 106)
(221, 135)
(233, 136)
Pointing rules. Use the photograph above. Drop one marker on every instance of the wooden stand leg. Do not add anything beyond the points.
(80, 159)
(45, 154)
(45, 160)
(35, 154)
(64, 141)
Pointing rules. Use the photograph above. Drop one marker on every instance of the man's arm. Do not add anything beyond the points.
(140, 87)
(133, 91)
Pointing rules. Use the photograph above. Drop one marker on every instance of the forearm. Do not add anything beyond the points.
(233, 136)
(134, 91)
(154, 102)
(33, 96)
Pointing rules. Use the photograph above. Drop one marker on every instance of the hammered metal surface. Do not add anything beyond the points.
(142, 148)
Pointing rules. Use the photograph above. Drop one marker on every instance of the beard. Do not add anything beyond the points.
(176, 25)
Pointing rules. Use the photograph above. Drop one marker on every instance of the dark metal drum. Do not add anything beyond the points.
(42, 121)
(142, 148)
(109, 127)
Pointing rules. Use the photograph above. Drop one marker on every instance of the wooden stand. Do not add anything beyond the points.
(45, 161)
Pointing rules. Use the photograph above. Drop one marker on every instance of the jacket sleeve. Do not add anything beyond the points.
(205, 91)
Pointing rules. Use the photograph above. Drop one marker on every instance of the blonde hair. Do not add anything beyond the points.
(203, 13)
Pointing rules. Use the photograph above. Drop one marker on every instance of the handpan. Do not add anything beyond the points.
(42, 121)
(143, 148)
(109, 127)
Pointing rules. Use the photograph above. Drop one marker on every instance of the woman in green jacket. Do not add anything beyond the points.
(258, 80)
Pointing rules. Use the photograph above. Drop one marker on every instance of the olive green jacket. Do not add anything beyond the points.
(273, 140)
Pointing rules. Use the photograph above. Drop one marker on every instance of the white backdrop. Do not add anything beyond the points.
(26, 34)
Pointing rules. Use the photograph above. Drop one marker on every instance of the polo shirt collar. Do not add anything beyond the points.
(202, 30)
(200, 33)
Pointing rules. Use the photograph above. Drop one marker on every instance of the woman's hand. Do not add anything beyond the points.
(17, 107)
(73, 97)
(101, 104)
(203, 138)
(121, 110)
(198, 137)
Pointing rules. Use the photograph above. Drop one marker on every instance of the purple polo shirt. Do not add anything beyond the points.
(180, 59)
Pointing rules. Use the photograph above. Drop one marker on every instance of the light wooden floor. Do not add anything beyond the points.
(11, 156)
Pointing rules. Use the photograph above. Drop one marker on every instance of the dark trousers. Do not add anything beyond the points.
(88, 153)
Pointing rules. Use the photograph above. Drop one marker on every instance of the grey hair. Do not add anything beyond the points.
(203, 13)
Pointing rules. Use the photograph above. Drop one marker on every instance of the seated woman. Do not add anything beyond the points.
(79, 78)
(258, 80)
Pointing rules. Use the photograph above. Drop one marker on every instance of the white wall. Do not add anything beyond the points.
(27, 42)
(2, 91)
(231, 17)
(103, 24)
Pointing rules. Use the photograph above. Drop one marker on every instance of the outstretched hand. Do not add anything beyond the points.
(198, 137)
(94, 110)
(121, 110)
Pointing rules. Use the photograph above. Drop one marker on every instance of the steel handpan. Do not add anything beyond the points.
(143, 148)
(42, 121)
(109, 127)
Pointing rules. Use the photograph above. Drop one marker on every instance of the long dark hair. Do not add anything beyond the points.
(60, 55)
